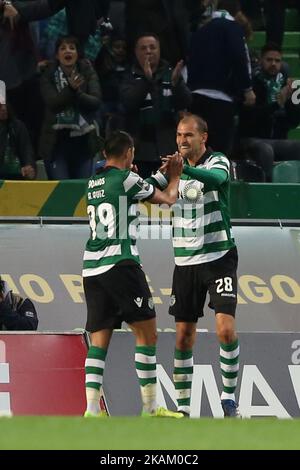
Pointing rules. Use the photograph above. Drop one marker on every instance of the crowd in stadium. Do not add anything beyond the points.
(75, 71)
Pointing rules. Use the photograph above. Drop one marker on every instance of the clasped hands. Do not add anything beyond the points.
(172, 165)
(9, 13)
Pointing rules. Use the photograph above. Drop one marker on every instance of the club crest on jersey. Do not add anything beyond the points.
(192, 192)
(172, 300)
(150, 303)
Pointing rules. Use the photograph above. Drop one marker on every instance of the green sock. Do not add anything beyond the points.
(145, 363)
(183, 377)
(229, 362)
(94, 368)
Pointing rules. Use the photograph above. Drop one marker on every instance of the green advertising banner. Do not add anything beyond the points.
(66, 199)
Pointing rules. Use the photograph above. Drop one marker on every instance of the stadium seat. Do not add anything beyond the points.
(287, 172)
(248, 170)
(294, 134)
(292, 20)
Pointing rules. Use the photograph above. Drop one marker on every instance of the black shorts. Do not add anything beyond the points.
(191, 284)
(120, 294)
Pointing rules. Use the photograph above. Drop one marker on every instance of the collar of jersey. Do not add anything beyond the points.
(202, 159)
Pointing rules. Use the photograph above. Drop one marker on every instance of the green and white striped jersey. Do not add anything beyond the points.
(112, 198)
(201, 221)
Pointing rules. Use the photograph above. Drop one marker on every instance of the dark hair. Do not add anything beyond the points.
(145, 34)
(68, 40)
(117, 36)
(270, 46)
(201, 123)
(117, 144)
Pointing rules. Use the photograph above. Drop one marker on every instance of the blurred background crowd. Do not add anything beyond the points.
(75, 70)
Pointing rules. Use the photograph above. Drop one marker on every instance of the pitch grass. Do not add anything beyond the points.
(147, 433)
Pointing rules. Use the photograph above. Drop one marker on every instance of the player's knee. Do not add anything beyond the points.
(154, 337)
(150, 338)
(185, 341)
(226, 334)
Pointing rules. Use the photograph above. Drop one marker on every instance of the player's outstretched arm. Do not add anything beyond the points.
(213, 176)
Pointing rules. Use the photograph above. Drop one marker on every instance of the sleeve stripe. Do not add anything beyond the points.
(130, 181)
(219, 159)
(160, 179)
(221, 167)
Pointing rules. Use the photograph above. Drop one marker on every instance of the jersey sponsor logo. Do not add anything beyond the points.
(138, 301)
